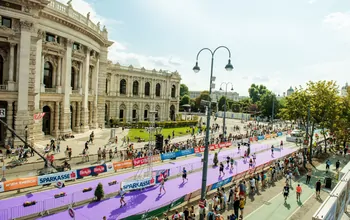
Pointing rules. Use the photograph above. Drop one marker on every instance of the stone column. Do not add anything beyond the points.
(74, 116)
(10, 84)
(95, 88)
(85, 110)
(42, 85)
(117, 110)
(117, 84)
(22, 115)
(80, 78)
(9, 118)
(58, 75)
(79, 117)
(57, 120)
(66, 87)
(90, 115)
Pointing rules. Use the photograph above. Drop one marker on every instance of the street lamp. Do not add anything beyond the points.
(273, 108)
(26, 136)
(196, 69)
(225, 106)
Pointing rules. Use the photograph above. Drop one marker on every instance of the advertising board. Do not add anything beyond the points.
(20, 183)
(57, 177)
(137, 184)
(91, 171)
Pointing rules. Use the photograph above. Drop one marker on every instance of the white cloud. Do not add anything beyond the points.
(338, 20)
(312, 1)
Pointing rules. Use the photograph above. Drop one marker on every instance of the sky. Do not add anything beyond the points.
(277, 43)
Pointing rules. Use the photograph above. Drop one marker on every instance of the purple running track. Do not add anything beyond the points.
(49, 194)
(139, 201)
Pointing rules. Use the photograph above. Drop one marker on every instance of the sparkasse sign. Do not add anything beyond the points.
(57, 177)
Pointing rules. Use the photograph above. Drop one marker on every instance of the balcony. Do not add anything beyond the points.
(75, 91)
(50, 90)
(3, 87)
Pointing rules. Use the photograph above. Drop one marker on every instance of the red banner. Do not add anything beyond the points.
(212, 147)
(140, 161)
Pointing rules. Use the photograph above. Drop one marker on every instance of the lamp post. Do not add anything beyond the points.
(225, 106)
(26, 136)
(196, 69)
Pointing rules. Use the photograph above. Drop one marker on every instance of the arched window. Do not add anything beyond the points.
(48, 71)
(122, 87)
(173, 91)
(158, 90)
(107, 86)
(135, 88)
(147, 88)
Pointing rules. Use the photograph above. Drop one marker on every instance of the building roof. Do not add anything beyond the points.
(290, 89)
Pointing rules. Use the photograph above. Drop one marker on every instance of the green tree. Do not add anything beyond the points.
(203, 96)
(221, 103)
(185, 100)
(183, 90)
(342, 125)
(99, 192)
(268, 103)
(256, 91)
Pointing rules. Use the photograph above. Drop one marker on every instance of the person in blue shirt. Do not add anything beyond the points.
(328, 164)
(184, 175)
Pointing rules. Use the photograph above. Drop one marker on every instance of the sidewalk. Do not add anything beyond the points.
(275, 208)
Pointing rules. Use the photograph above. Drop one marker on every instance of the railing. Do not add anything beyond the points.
(67, 10)
(50, 90)
(75, 91)
(3, 87)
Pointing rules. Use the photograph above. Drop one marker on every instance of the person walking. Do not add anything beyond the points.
(285, 192)
(328, 164)
(298, 192)
(337, 165)
(231, 162)
(318, 189)
(241, 206)
(308, 176)
(272, 148)
(254, 158)
(122, 195)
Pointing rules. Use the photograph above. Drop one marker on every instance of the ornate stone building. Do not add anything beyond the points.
(54, 60)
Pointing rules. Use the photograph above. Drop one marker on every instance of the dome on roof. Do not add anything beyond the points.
(290, 89)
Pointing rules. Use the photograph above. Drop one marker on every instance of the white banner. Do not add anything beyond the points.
(138, 184)
(57, 177)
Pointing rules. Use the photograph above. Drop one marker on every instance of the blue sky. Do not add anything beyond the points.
(277, 43)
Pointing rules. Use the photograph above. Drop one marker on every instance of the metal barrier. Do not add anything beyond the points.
(44, 206)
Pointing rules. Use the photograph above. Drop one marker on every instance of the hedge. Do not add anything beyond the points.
(163, 124)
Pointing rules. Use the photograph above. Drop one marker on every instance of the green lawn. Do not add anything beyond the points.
(134, 134)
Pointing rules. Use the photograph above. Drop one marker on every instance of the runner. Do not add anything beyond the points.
(239, 147)
(281, 145)
(221, 170)
(298, 191)
(250, 163)
(162, 186)
(254, 158)
(272, 148)
(228, 161)
(231, 162)
(184, 175)
(318, 189)
(122, 195)
(285, 192)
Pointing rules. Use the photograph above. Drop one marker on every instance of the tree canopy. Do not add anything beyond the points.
(184, 90)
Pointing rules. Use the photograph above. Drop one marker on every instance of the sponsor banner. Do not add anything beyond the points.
(91, 171)
(261, 138)
(1, 187)
(57, 177)
(212, 147)
(267, 136)
(20, 183)
(182, 153)
(140, 161)
(122, 165)
(273, 135)
(138, 184)
(199, 149)
(221, 183)
(224, 144)
(161, 174)
(109, 167)
(155, 158)
(167, 156)
(279, 134)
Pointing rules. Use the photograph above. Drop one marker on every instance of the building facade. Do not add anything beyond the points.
(54, 60)
(216, 95)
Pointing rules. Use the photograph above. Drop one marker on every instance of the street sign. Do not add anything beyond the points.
(2, 113)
